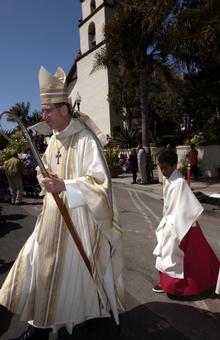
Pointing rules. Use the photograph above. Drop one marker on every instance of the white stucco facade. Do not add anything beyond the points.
(86, 7)
(93, 87)
(99, 20)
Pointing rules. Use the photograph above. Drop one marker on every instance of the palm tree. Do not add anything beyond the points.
(126, 138)
(133, 39)
(21, 110)
(34, 118)
(193, 40)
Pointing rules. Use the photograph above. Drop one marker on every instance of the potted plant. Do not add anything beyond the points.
(111, 155)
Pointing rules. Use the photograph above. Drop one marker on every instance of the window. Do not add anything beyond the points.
(92, 6)
(92, 35)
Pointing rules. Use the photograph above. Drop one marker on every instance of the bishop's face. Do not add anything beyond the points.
(167, 169)
(56, 116)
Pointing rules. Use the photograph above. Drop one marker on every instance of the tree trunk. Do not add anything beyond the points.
(145, 128)
(145, 121)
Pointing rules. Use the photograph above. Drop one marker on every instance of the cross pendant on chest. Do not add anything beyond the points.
(58, 155)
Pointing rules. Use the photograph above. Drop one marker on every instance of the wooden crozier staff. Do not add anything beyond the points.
(62, 207)
(60, 204)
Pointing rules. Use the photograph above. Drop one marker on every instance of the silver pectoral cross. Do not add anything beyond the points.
(58, 155)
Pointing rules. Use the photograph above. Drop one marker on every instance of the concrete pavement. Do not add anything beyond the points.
(207, 190)
(139, 321)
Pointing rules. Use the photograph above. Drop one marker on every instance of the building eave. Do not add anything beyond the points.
(71, 72)
(73, 68)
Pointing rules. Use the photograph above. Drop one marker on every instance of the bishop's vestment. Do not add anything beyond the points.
(49, 283)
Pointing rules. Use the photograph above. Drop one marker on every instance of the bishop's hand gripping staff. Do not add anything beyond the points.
(60, 204)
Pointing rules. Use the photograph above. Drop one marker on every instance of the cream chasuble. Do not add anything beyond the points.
(181, 210)
(49, 282)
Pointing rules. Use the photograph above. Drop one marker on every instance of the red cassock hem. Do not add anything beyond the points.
(201, 266)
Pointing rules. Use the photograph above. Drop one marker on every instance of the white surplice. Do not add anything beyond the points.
(49, 282)
(181, 209)
(217, 289)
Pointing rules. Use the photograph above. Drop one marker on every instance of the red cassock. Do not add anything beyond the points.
(201, 266)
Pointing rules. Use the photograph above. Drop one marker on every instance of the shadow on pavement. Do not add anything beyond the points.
(137, 324)
(195, 321)
(209, 294)
(14, 217)
(9, 226)
(203, 198)
(32, 202)
(5, 320)
(151, 321)
(5, 266)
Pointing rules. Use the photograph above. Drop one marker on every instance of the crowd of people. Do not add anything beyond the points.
(70, 268)
(138, 161)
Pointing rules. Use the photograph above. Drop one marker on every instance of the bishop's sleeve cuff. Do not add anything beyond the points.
(74, 196)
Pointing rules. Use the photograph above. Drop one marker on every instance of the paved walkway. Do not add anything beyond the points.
(141, 321)
(207, 190)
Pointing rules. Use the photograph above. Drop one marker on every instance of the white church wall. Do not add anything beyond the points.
(86, 10)
(93, 89)
(99, 24)
(209, 159)
(98, 20)
(99, 3)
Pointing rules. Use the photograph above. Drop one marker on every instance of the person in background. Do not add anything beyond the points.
(29, 159)
(193, 160)
(39, 141)
(149, 165)
(30, 182)
(14, 169)
(122, 160)
(142, 163)
(49, 284)
(184, 259)
(133, 164)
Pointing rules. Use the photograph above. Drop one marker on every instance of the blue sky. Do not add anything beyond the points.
(34, 33)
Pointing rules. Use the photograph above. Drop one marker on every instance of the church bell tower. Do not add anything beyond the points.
(93, 87)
